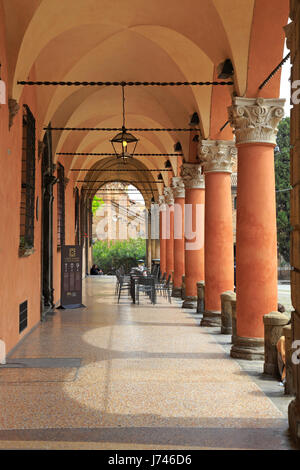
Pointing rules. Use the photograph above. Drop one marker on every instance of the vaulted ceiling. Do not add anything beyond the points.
(140, 40)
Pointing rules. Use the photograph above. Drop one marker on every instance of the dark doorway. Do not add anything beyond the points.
(48, 180)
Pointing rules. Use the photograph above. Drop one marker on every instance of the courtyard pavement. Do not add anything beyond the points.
(284, 295)
(130, 376)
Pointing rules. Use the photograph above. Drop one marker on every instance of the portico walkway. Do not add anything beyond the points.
(126, 376)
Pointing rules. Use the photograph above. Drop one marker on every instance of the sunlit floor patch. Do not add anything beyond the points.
(145, 377)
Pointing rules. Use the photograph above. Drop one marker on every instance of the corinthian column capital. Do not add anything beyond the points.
(192, 176)
(178, 186)
(255, 120)
(169, 195)
(161, 200)
(217, 155)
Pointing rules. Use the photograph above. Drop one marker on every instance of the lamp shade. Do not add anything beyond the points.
(124, 144)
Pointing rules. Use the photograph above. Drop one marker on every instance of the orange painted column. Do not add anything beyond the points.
(193, 230)
(217, 156)
(255, 124)
(162, 234)
(170, 231)
(179, 199)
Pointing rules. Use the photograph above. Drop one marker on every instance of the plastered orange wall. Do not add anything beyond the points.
(20, 278)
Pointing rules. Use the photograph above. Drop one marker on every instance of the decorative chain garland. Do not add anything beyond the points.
(113, 155)
(105, 181)
(274, 71)
(61, 83)
(117, 129)
(121, 169)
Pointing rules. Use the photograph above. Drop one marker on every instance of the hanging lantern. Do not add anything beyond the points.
(124, 143)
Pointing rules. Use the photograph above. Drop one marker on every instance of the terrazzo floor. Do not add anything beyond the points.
(131, 377)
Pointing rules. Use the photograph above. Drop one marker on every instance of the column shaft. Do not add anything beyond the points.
(255, 122)
(194, 247)
(178, 245)
(179, 268)
(170, 241)
(157, 249)
(219, 274)
(217, 157)
(256, 257)
(163, 241)
(193, 230)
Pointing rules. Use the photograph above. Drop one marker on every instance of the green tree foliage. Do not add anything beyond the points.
(282, 179)
(110, 255)
(97, 202)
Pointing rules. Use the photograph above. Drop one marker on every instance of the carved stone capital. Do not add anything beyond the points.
(161, 201)
(178, 186)
(255, 120)
(13, 108)
(217, 155)
(169, 197)
(192, 176)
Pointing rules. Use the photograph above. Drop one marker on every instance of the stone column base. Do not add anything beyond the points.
(271, 369)
(177, 292)
(273, 325)
(251, 349)
(190, 302)
(200, 306)
(226, 312)
(211, 318)
(294, 421)
(183, 288)
(201, 297)
(226, 330)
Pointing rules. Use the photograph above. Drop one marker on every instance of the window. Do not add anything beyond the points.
(23, 316)
(60, 206)
(234, 202)
(27, 182)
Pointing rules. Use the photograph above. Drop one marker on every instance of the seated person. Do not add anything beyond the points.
(95, 270)
(141, 265)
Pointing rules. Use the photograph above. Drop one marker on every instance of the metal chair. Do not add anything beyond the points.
(123, 284)
(146, 284)
(165, 288)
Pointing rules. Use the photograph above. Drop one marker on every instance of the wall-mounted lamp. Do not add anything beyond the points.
(225, 69)
(194, 120)
(177, 147)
